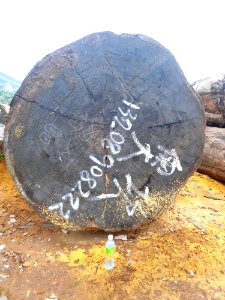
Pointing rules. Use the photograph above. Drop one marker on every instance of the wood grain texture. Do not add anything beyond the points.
(104, 132)
(213, 158)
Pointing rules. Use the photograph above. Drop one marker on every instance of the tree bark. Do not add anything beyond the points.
(213, 159)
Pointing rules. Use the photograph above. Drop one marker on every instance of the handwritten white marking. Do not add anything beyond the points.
(69, 196)
(131, 211)
(108, 161)
(131, 187)
(50, 131)
(66, 154)
(114, 134)
(103, 196)
(127, 114)
(131, 104)
(116, 139)
(146, 150)
(85, 176)
(76, 204)
(45, 137)
(78, 188)
(127, 121)
(94, 169)
(107, 144)
(168, 160)
(59, 207)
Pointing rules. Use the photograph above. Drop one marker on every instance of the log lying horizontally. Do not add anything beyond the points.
(104, 132)
(212, 93)
(213, 159)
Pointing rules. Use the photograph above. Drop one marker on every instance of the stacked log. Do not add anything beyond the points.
(213, 159)
(212, 93)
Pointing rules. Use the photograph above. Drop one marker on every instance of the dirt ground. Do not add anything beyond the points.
(179, 256)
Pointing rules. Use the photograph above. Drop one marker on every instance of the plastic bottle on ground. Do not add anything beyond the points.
(109, 252)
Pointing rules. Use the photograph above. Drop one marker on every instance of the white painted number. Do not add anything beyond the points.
(108, 161)
(93, 170)
(85, 176)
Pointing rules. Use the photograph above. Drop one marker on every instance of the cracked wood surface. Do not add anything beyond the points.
(72, 100)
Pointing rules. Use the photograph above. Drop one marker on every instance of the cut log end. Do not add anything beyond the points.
(104, 132)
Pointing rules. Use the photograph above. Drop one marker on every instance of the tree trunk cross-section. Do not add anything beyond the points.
(104, 132)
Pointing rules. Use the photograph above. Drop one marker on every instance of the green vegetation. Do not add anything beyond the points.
(6, 96)
(1, 155)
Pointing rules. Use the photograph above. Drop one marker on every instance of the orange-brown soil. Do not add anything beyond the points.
(179, 256)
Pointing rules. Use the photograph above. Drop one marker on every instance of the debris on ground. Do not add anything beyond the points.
(122, 237)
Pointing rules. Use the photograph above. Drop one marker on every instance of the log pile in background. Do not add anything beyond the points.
(212, 93)
(213, 159)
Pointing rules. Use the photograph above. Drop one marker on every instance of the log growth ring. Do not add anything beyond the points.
(104, 132)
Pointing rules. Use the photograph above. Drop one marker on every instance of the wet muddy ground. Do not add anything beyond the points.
(179, 256)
